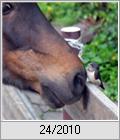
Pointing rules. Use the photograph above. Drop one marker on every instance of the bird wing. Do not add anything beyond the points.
(97, 76)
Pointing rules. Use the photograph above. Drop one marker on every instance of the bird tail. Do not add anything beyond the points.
(102, 86)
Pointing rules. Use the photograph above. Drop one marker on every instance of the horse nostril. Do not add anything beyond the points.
(78, 84)
(77, 79)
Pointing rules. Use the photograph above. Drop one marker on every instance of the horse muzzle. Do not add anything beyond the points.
(58, 93)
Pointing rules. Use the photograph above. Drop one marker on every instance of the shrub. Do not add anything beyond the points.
(104, 47)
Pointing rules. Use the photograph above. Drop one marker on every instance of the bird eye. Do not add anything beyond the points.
(7, 8)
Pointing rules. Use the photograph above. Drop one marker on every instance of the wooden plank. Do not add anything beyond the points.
(100, 107)
(15, 106)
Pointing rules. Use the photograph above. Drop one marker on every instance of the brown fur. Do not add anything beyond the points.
(39, 57)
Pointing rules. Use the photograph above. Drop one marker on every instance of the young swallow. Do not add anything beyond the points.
(93, 74)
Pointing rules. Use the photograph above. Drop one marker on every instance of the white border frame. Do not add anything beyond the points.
(87, 1)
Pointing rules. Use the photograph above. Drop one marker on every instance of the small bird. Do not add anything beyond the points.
(93, 74)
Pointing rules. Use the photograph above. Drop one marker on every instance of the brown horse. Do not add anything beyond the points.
(36, 57)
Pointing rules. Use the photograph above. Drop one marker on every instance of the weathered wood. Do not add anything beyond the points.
(100, 107)
(15, 106)
(25, 105)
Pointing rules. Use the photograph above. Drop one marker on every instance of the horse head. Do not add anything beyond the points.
(37, 58)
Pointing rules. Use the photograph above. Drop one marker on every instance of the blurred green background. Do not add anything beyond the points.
(103, 49)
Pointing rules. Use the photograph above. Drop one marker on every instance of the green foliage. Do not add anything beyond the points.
(104, 47)
(60, 13)
(106, 57)
(104, 50)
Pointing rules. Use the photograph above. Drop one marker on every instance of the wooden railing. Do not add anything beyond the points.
(16, 106)
(100, 107)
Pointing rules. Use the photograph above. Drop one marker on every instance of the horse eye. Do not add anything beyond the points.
(7, 8)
